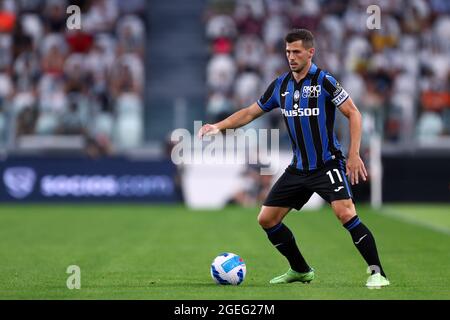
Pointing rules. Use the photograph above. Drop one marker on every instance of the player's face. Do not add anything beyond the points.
(297, 55)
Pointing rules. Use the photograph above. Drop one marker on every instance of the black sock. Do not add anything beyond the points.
(365, 243)
(283, 239)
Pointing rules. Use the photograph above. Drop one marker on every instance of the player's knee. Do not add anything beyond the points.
(344, 215)
(344, 210)
(266, 221)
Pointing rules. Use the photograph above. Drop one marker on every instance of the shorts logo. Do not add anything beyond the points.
(19, 181)
(311, 91)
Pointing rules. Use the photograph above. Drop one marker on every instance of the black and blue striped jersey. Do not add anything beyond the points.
(308, 108)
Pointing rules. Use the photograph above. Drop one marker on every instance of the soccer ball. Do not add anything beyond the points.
(228, 268)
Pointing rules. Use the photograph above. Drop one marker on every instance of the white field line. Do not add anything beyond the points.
(390, 212)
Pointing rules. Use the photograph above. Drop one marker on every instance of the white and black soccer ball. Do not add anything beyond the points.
(228, 268)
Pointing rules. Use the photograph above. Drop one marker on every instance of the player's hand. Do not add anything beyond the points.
(208, 130)
(355, 169)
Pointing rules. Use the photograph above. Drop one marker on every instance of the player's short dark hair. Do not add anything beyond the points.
(301, 34)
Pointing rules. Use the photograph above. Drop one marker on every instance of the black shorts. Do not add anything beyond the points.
(294, 188)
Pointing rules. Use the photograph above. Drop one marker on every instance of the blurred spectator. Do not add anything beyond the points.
(7, 19)
(221, 71)
(79, 41)
(430, 126)
(221, 26)
(131, 35)
(248, 52)
(245, 87)
(71, 123)
(218, 107)
(255, 188)
(26, 121)
(101, 16)
(55, 16)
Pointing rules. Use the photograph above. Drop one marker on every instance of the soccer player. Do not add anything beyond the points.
(308, 98)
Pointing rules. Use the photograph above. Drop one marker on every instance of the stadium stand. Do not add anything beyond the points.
(58, 84)
(399, 76)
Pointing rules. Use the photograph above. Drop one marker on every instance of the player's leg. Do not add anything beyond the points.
(270, 219)
(287, 193)
(331, 184)
(362, 238)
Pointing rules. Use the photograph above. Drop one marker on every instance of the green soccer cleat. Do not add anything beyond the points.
(292, 276)
(376, 281)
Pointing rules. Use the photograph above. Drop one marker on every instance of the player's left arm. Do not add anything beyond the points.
(355, 166)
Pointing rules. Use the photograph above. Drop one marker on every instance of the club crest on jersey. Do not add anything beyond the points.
(311, 91)
(296, 95)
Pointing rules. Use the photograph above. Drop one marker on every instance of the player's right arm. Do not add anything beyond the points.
(236, 120)
(267, 102)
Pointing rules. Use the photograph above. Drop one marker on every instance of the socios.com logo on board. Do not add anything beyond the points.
(19, 181)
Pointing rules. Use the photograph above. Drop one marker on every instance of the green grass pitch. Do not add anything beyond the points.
(164, 252)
